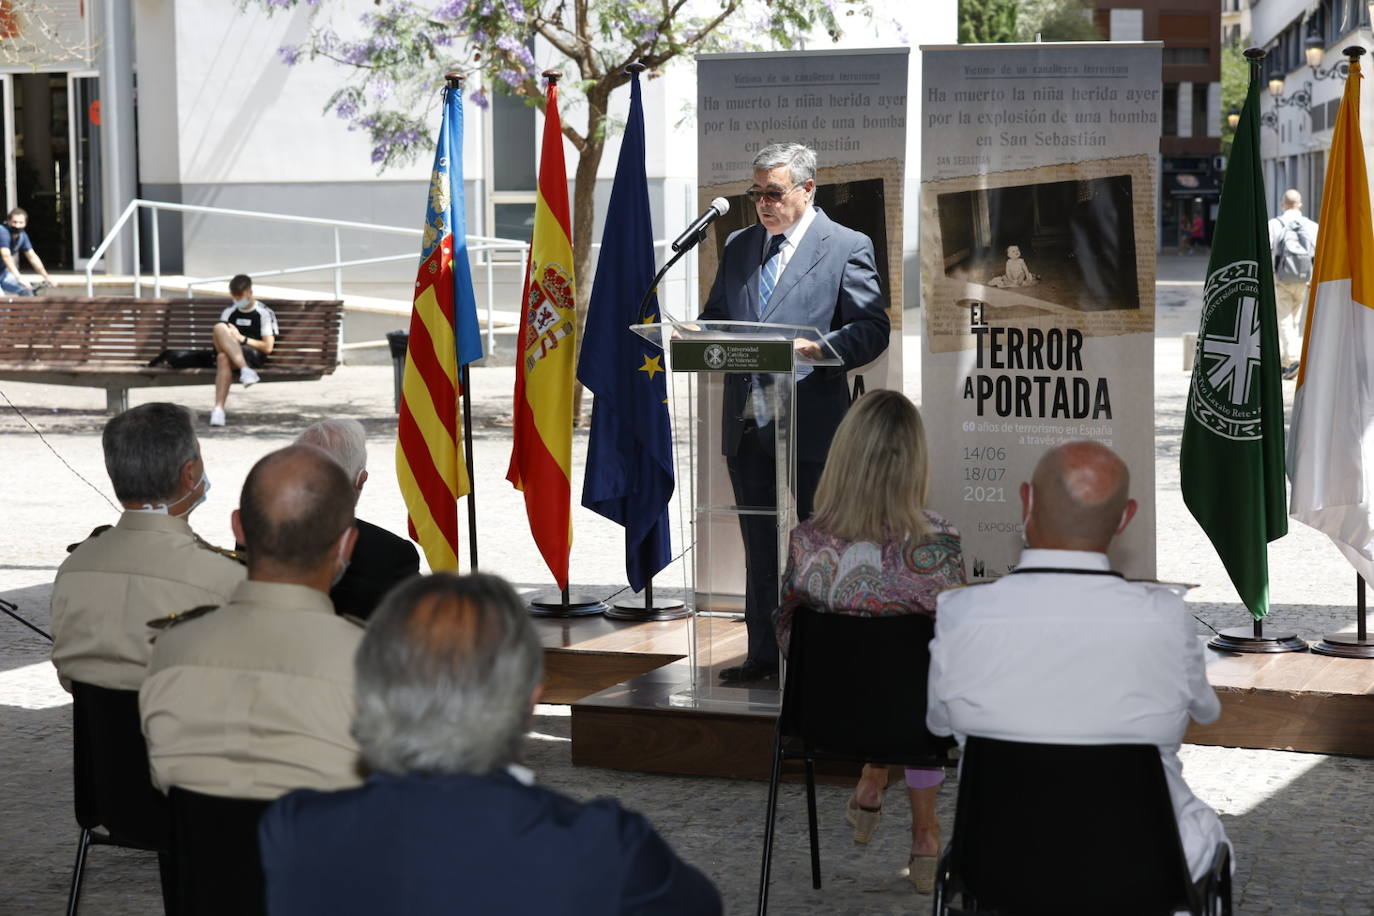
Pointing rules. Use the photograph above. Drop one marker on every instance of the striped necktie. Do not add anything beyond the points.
(768, 274)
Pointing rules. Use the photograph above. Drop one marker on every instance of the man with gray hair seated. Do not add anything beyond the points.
(380, 559)
(447, 676)
(149, 565)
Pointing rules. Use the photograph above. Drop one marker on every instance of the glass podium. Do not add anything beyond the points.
(746, 370)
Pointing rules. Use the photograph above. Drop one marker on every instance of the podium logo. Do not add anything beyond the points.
(714, 356)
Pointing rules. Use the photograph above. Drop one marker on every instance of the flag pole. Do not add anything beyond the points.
(1238, 639)
(455, 84)
(564, 604)
(1343, 645)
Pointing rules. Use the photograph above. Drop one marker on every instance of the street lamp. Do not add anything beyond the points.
(1315, 49)
(1233, 117)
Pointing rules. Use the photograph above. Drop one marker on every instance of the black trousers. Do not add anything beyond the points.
(752, 476)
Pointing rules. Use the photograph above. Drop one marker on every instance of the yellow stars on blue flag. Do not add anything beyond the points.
(652, 365)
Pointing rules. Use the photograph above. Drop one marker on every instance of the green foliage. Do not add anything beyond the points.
(1235, 80)
(1058, 20)
(987, 21)
(398, 51)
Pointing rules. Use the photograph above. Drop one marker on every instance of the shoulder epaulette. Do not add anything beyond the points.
(96, 532)
(171, 620)
(355, 620)
(235, 555)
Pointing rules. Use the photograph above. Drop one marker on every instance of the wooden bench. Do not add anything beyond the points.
(107, 342)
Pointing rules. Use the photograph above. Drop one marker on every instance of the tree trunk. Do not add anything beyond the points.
(584, 216)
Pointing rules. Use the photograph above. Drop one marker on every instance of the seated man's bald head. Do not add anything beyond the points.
(295, 504)
(1078, 498)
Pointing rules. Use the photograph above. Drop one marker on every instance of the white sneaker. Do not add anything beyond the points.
(216, 416)
(248, 376)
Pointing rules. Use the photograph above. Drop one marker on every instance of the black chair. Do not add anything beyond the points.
(215, 854)
(1070, 829)
(112, 788)
(855, 691)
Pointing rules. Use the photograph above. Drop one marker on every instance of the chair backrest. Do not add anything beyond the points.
(856, 687)
(1067, 829)
(215, 854)
(110, 765)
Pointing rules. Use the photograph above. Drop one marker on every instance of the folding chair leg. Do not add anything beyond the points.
(773, 780)
(811, 823)
(78, 872)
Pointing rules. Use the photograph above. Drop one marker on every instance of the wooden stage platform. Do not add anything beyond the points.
(626, 683)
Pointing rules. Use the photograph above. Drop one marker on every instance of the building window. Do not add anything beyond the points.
(1169, 112)
(1202, 114)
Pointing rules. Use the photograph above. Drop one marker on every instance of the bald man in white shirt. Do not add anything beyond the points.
(1066, 651)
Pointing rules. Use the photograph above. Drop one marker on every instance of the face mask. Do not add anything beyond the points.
(165, 508)
(244, 304)
(343, 568)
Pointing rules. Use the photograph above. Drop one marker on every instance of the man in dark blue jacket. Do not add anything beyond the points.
(447, 676)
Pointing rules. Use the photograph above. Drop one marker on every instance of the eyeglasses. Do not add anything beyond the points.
(772, 195)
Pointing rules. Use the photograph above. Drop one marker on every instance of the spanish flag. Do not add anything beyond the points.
(444, 336)
(1331, 446)
(541, 458)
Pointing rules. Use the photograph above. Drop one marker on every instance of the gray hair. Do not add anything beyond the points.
(799, 159)
(342, 439)
(445, 674)
(145, 449)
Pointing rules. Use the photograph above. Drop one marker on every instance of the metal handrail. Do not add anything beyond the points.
(481, 245)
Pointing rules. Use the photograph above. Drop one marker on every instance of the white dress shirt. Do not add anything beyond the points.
(793, 237)
(1066, 658)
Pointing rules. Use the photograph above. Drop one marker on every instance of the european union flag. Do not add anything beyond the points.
(629, 454)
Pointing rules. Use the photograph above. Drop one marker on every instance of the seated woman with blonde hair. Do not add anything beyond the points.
(872, 548)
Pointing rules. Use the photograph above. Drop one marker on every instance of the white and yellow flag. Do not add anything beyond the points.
(1331, 445)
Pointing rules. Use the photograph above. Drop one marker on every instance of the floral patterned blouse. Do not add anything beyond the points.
(866, 579)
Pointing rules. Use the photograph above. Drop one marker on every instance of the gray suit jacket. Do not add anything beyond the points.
(830, 283)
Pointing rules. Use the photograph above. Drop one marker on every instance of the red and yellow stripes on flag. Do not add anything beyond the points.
(541, 457)
(1331, 449)
(429, 454)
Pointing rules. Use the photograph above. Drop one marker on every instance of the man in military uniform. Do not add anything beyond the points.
(256, 698)
(1066, 651)
(380, 559)
(148, 565)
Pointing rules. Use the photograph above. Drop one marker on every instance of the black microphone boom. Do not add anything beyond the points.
(697, 231)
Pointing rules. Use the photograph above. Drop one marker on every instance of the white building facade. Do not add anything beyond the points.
(1297, 121)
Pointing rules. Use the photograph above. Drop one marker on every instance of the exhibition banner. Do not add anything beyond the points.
(1038, 212)
(850, 106)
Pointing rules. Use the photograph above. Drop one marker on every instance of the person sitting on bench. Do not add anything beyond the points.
(244, 337)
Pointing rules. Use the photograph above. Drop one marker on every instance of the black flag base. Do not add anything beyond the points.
(1344, 645)
(1350, 645)
(648, 609)
(565, 605)
(1239, 639)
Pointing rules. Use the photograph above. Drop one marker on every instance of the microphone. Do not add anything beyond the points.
(697, 231)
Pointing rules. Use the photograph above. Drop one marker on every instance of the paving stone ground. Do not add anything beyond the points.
(1301, 822)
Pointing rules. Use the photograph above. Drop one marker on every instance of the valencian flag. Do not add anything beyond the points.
(1231, 466)
(541, 458)
(1331, 458)
(629, 475)
(443, 337)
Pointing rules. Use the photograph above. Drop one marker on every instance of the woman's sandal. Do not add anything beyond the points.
(863, 820)
(921, 872)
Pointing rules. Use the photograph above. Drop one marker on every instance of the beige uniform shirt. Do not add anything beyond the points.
(146, 566)
(254, 699)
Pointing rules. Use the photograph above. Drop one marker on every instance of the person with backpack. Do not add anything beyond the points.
(1293, 243)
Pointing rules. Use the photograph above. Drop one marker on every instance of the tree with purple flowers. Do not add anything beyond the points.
(403, 48)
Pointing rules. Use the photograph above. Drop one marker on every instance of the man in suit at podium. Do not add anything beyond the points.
(795, 266)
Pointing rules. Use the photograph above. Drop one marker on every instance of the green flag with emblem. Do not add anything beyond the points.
(1231, 463)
